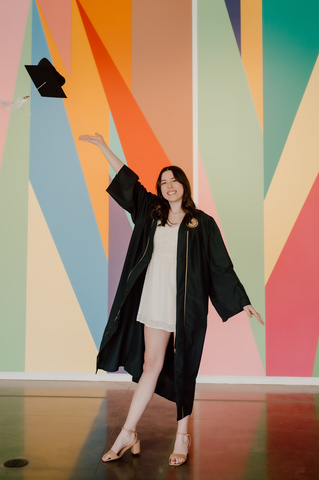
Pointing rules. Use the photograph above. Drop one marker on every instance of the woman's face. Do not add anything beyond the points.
(171, 189)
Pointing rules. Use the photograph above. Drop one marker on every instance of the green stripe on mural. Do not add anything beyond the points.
(14, 180)
(290, 50)
(231, 146)
(315, 372)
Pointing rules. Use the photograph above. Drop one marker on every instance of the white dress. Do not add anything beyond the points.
(158, 301)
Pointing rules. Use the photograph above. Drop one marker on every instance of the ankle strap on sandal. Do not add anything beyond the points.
(187, 435)
(127, 430)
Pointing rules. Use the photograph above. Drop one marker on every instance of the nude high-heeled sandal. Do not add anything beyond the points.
(135, 447)
(180, 455)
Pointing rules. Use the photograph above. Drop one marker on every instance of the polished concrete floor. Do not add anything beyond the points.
(238, 432)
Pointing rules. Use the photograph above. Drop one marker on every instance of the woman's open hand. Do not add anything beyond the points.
(252, 312)
(96, 139)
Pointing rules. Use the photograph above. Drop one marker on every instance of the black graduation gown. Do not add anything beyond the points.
(204, 270)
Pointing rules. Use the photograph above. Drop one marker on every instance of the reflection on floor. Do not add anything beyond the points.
(253, 432)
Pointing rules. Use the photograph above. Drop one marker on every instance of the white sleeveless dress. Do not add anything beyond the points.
(158, 301)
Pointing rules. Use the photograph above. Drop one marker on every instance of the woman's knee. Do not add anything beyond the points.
(152, 365)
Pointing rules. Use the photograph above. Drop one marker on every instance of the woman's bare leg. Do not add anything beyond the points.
(156, 342)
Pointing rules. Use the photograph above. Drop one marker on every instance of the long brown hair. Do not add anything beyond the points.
(161, 210)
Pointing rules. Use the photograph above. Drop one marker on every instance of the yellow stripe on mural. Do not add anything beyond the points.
(251, 50)
(57, 335)
(295, 174)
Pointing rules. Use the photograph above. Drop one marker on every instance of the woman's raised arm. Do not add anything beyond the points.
(98, 140)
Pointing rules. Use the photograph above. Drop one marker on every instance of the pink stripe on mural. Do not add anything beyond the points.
(230, 348)
(57, 15)
(13, 21)
(292, 297)
(205, 198)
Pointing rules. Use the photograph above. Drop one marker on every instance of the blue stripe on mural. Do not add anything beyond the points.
(57, 178)
(233, 7)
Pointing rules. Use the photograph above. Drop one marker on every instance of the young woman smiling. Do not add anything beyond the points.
(176, 261)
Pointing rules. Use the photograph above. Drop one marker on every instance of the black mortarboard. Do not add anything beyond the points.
(47, 79)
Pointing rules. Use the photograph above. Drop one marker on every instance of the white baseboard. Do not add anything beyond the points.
(71, 377)
(258, 380)
(123, 377)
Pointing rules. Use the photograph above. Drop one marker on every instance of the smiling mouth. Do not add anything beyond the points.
(171, 193)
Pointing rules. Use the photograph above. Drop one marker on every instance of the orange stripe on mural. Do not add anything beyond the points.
(251, 50)
(113, 23)
(142, 150)
(162, 74)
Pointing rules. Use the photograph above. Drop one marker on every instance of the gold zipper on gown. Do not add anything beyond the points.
(144, 253)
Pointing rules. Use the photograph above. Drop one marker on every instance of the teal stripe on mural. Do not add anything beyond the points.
(116, 147)
(230, 143)
(14, 181)
(290, 50)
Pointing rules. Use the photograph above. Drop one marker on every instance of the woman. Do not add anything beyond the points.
(175, 262)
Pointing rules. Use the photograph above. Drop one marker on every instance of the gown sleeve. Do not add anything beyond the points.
(227, 294)
(128, 192)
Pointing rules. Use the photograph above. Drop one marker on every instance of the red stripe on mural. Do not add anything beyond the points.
(292, 297)
(142, 150)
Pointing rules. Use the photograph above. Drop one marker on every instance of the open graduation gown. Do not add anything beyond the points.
(204, 270)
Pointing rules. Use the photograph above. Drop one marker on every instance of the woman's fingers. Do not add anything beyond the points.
(88, 138)
(97, 139)
(252, 312)
(259, 318)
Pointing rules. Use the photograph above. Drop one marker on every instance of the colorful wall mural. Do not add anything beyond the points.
(226, 89)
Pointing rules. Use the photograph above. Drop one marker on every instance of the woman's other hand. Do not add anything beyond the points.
(252, 312)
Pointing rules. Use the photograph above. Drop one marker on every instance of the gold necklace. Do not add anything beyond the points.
(181, 211)
(178, 213)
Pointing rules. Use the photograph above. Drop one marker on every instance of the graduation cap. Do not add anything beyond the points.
(47, 79)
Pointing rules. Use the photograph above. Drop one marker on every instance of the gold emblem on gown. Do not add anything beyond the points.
(193, 223)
